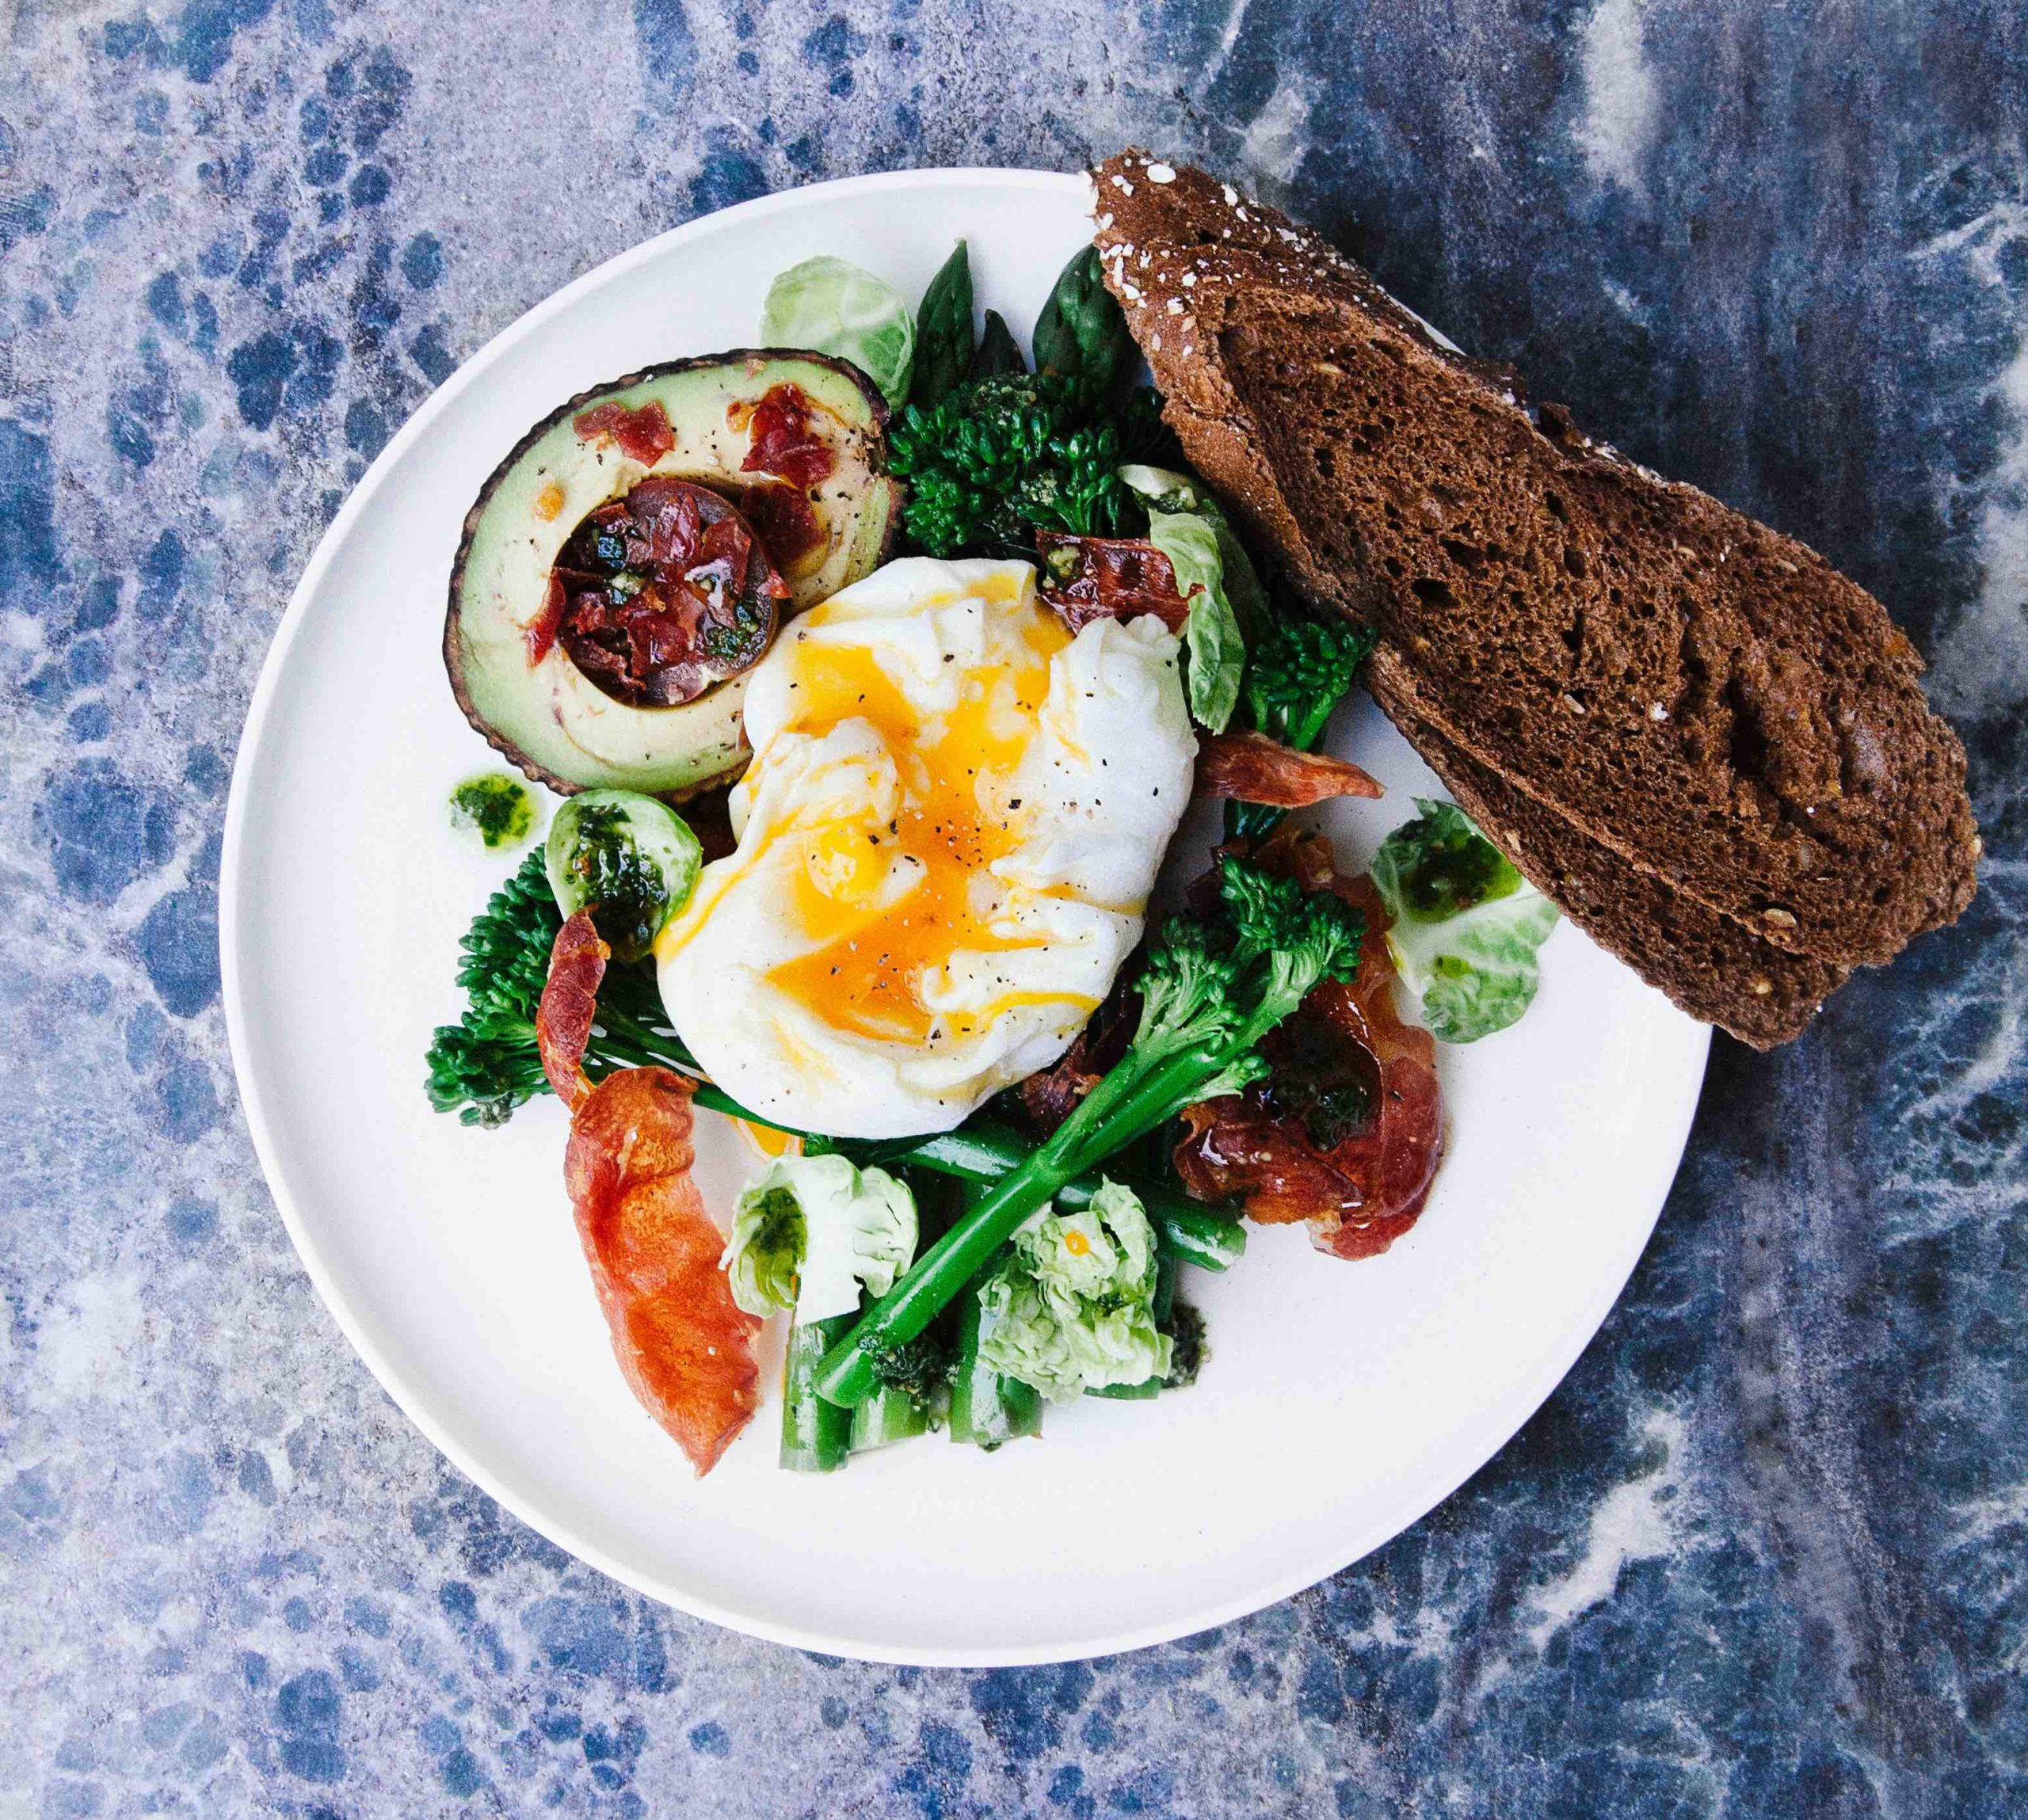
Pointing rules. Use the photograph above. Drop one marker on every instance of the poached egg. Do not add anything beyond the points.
(947, 837)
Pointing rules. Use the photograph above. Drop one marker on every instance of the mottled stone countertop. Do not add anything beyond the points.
(1766, 1552)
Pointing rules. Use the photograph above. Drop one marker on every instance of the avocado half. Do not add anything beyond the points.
(721, 424)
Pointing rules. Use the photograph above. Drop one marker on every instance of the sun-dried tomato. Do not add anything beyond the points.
(1087, 578)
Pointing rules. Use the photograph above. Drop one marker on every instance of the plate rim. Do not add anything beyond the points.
(1527, 1396)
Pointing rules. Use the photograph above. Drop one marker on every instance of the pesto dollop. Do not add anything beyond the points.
(497, 808)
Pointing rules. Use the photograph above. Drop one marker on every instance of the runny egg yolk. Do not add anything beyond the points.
(768, 1141)
(864, 970)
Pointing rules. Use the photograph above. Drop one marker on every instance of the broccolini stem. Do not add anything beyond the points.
(987, 1408)
(889, 1415)
(1205, 1237)
(1126, 1105)
(817, 1436)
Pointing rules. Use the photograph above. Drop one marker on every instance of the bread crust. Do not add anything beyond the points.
(1690, 693)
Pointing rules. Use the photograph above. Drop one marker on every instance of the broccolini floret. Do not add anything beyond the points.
(1296, 676)
(1298, 673)
(999, 457)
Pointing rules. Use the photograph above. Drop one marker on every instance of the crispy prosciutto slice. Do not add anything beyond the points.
(569, 1007)
(1250, 767)
(685, 1349)
(642, 432)
(1347, 1132)
(784, 442)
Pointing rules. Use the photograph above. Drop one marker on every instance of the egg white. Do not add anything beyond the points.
(953, 815)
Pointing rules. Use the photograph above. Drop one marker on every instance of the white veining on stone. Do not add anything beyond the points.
(1631, 1523)
(1983, 661)
(1622, 96)
(1279, 135)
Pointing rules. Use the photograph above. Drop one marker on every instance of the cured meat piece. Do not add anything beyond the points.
(1046, 1099)
(644, 435)
(1251, 767)
(785, 522)
(684, 1346)
(783, 443)
(663, 594)
(569, 1002)
(1347, 1132)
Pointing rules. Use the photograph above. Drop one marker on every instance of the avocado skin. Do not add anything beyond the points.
(706, 729)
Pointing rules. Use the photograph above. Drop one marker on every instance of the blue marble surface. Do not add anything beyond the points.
(1766, 1552)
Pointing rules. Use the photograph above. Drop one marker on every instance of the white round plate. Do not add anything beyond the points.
(1341, 1401)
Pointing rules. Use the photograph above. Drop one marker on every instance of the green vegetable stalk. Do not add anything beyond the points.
(817, 1436)
(998, 352)
(944, 338)
(1205, 1007)
(1082, 336)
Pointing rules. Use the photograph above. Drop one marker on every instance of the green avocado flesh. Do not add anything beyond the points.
(525, 694)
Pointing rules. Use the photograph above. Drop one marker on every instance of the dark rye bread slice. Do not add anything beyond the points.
(1698, 695)
(1714, 966)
